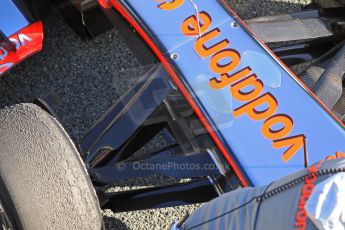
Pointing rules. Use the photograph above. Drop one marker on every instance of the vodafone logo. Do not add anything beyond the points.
(170, 4)
(18, 41)
(224, 60)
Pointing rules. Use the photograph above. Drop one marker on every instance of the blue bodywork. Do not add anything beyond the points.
(11, 19)
(258, 160)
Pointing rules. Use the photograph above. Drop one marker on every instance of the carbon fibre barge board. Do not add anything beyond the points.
(265, 128)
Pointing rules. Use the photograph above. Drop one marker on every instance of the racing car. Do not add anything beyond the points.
(220, 89)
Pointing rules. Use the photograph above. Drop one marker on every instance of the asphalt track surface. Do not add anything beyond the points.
(90, 77)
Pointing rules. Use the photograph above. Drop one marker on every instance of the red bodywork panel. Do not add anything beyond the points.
(27, 41)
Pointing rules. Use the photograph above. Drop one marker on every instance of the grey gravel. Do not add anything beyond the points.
(91, 76)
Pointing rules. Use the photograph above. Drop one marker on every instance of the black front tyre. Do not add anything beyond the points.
(43, 182)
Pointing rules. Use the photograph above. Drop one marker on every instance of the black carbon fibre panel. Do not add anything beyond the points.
(312, 75)
(289, 29)
(329, 87)
(280, 17)
(339, 108)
